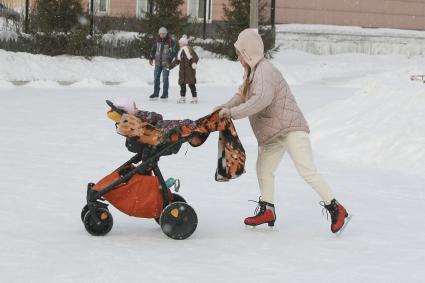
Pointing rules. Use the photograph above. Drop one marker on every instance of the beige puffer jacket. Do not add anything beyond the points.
(269, 103)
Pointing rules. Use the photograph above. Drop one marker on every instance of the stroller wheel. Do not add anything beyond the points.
(101, 228)
(84, 211)
(176, 197)
(178, 220)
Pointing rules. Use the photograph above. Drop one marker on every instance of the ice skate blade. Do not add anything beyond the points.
(347, 220)
(261, 228)
(153, 99)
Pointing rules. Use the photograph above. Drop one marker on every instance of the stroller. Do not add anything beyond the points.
(138, 188)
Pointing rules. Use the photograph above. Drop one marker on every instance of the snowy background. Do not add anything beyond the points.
(329, 40)
(367, 121)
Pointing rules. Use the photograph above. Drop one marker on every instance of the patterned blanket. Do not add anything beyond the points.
(151, 129)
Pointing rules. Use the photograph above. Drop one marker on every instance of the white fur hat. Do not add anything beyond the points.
(162, 30)
(183, 40)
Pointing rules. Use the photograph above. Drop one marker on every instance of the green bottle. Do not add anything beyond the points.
(170, 182)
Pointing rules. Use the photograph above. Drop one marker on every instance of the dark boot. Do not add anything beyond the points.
(338, 214)
(264, 213)
(153, 96)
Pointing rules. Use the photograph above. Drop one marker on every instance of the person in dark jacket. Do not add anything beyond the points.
(162, 52)
(187, 59)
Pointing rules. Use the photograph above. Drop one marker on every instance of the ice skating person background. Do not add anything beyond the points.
(162, 54)
(187, 59)
(279, 126)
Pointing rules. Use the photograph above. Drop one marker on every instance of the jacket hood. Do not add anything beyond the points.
(251, 47)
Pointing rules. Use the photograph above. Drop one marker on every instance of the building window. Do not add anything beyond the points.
(101, 7)
(144, 7)
(195, 9)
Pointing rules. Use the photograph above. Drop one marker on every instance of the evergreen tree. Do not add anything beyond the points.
(165, 13)
(58, 15)
(58, 29)
(236, 17)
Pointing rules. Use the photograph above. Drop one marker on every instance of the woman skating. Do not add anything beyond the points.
(279, 126)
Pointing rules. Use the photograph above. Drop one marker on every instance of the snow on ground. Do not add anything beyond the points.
(329, 40)
(365, 117)
(384, 94)
(382, 125)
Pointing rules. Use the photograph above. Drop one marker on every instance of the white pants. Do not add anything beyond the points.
(297, 144)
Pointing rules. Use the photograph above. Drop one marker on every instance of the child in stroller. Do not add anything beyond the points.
(137, 187)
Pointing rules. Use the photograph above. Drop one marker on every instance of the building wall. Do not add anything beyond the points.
(16, 4)
(13, 3)
(183, 8)
(85, 4)
(217, 9)
(404, 14)
(126, 8)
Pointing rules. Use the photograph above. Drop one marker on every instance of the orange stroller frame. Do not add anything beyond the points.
(134, 190)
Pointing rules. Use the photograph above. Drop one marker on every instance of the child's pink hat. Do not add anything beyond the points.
(126, 104)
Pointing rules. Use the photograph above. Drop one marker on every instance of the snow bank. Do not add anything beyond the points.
(5, 84)
(29, 67)
(7, 35)
(8, 29)
(116, 36)
(298, 68)
(381, 126)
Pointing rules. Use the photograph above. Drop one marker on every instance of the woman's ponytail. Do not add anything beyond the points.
(246, 82)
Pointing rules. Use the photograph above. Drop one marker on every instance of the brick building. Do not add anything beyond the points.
(404, 14)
